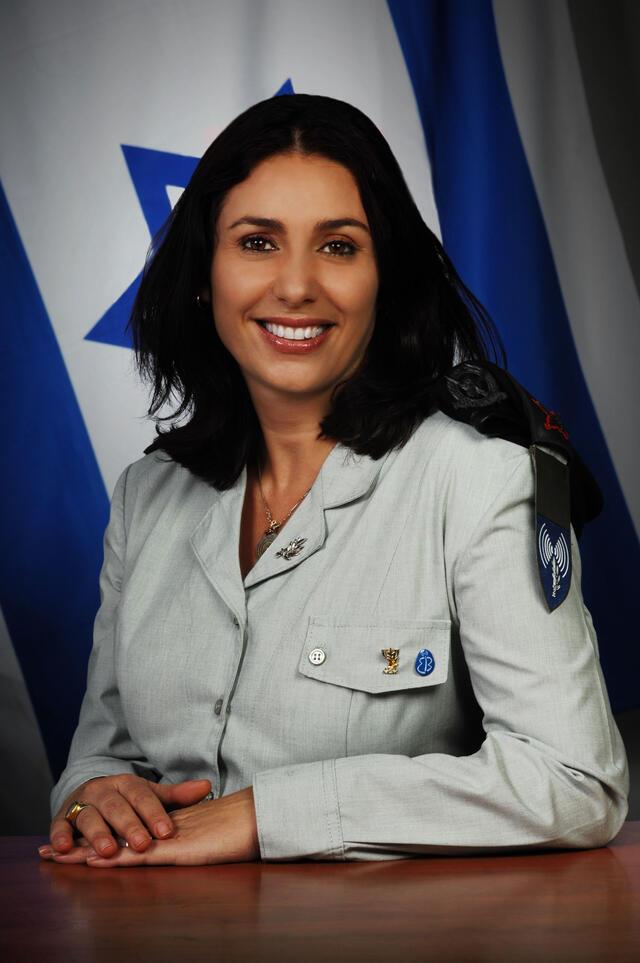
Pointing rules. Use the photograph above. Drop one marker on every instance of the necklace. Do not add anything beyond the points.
(274, 526)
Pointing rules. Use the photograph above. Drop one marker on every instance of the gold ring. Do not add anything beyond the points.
(74, 811)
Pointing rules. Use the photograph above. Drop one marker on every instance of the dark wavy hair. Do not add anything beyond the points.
(426, 318)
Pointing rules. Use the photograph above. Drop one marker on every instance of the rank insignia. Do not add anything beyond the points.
(392, 656)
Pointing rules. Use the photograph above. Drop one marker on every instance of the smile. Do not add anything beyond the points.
(292, 340)
(294, 334)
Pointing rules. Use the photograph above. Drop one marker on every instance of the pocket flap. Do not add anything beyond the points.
(351, 655)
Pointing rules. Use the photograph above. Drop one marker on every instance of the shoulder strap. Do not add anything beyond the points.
(490, 399)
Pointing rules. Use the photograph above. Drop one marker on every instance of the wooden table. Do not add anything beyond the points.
(552, 906)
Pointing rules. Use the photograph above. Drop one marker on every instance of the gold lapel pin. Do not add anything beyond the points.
(391, 655)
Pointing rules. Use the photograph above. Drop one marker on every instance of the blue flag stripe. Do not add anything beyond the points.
(54, 506)
(493, 229)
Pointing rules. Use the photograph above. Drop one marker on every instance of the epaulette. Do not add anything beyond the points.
(487, 397)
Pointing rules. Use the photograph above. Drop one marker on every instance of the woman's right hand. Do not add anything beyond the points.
(130, 806)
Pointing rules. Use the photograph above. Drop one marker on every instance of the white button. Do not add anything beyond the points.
(317, 656)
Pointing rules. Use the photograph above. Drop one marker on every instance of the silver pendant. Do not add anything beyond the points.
(265, 542)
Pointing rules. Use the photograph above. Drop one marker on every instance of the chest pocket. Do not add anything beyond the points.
(350, 655)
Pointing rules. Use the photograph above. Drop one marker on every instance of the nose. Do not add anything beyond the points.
(295, 281)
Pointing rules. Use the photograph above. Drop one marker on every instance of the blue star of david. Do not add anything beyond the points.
(152, 171)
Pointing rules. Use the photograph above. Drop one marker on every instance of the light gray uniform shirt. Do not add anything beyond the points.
(277, 680)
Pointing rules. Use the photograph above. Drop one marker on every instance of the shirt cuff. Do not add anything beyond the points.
(297, 812)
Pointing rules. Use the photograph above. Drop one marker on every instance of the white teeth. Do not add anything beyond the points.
(295, 334)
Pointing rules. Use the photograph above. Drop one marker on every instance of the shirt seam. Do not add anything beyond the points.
(335, 832)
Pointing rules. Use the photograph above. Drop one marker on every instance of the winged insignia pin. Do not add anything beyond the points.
(293, 548)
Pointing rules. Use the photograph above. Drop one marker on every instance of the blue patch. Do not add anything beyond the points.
(553, 546)
(425, 662)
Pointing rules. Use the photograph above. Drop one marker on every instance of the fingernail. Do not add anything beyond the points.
(163, 829)
(45, 850)
(139, 839)
(105, 846)
(60, 841)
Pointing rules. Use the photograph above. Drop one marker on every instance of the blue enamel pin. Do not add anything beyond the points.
(425, 662)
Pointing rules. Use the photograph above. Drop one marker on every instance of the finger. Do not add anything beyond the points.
(160, 852)
(77, 855)
(182, 793)
(61, 834)
(111, 812)
(146, 803)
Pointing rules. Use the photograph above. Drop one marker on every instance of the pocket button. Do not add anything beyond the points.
(317, 656)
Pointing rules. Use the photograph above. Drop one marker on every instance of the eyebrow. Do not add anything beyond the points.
(274, 225)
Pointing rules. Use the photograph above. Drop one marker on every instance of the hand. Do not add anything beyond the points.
(125, 803)
(217, 831)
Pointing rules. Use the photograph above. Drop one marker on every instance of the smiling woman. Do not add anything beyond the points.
(308, 290)
(323, 632)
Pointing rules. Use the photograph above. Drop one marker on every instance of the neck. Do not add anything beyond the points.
(291, 452)
(290, 460)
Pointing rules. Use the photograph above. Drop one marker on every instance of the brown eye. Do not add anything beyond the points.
(255, 238)
(344, 244)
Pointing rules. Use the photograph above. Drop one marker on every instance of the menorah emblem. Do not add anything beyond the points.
(391, 655)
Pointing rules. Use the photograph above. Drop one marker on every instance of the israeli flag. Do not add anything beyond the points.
(493, 112)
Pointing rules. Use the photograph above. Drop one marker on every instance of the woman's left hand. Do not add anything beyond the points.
(217, 831)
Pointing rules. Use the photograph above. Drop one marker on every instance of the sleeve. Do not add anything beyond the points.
(552, 771)
(101, 745)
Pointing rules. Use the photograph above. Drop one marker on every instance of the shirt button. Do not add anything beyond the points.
(317, 656)
(235, 622)
(218, 707)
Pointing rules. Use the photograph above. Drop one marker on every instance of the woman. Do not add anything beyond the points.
(321, 632)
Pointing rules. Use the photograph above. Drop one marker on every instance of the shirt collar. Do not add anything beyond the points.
(343, 477)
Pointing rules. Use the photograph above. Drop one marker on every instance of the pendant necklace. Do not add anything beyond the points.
(274, 526)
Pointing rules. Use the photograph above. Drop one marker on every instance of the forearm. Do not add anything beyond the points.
(511, 794)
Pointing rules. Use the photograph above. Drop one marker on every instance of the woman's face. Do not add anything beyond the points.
(278, 261)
